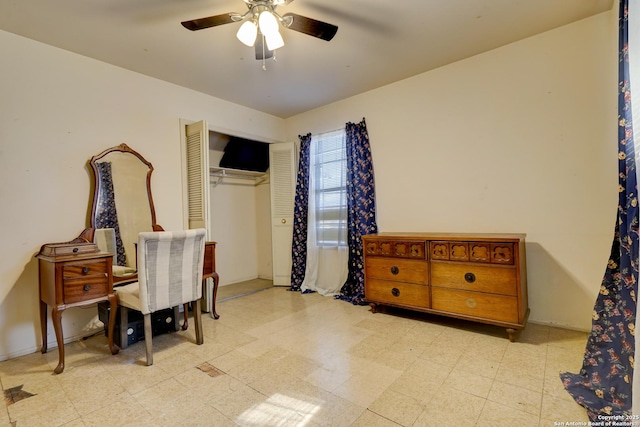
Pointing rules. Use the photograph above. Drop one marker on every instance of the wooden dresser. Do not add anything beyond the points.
(478, 277)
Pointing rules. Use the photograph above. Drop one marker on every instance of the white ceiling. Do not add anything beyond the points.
(378, 41)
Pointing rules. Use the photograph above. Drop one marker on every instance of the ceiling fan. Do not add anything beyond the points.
(261, 27)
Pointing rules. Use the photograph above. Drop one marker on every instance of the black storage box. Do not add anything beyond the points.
(162, 321)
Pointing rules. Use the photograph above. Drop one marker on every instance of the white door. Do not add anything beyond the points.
(283, 189)
(195, 174)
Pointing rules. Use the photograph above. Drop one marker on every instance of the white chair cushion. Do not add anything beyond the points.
(129, 296)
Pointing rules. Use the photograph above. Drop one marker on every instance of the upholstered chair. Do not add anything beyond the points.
(169, 275)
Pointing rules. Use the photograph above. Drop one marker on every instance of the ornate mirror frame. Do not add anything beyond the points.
(122, 200)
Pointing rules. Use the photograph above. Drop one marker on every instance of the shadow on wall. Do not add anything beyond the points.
(557, 297)
(20, 313)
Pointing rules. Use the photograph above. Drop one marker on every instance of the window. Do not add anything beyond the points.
(328, 176)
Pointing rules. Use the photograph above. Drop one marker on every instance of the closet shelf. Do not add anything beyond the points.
(257, 177)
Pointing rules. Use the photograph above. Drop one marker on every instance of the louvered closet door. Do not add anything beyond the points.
(195, 164)
(283, 186)
(197, 175)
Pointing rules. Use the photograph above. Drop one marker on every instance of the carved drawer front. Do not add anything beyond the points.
(502, 253)
(85, 280)
(397, 293)
(479, 252)
(399, 270)
(474, 277)
(393, 248)
(439, 250)
(494, 307)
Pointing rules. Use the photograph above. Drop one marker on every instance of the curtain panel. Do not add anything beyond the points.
(300, 216)
(604, 384)
(361, 207)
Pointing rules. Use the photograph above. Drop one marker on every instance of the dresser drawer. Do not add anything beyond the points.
(398, 270)
(396, 293)
(412, 249)
(474, 277)
(494, 307)
(495, 253)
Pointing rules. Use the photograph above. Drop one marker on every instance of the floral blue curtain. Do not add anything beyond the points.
(300, 215)
(361, 207)
(604, 384)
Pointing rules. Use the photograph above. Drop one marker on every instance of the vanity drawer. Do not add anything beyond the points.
(74, 270)
(474, 277)
(396, 293)
(84, 280)
(398, 270)
(494, 307)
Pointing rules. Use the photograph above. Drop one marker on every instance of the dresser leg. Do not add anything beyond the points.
(43, 325)
(512, 334)
(374, 307)
(56, 316)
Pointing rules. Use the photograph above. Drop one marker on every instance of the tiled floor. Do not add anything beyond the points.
(278, 358)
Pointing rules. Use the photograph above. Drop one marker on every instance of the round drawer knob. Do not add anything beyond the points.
(75, 250)
(395, 292)
(395, 270)
(85, 270)
(87, 288)
(470, 277)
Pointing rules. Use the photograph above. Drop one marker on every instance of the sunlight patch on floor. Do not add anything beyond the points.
(279, 410)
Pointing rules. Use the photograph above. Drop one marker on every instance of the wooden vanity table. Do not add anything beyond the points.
(72, 274)
(82, 272)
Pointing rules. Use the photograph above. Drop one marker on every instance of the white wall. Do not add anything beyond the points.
(57, 109)
(241, 226)
(519, 139)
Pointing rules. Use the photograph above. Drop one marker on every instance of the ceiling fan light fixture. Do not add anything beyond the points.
(268, 23)
(247, 33)
(274, 41)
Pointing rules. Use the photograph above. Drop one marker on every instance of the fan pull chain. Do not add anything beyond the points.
(264, 61)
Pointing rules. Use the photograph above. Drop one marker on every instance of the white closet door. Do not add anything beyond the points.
(283, 190)
(195, 173)
(196, 166)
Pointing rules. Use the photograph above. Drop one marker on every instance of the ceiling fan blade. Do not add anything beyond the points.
(211, 21)
(261, 49)
(312, 27)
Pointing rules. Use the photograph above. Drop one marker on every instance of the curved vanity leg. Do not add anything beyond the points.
(56, 316)
(512, 334)
(113, 307)
(216, 280)
(43, 325)
(185, 324)
(374, 307)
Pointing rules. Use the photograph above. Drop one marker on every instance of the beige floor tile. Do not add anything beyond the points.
(518, 398)
(477, 364)
(445, 409)
(556, 409)
(477, 385)
(497, 415)
(397, 407)
(370, 419)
